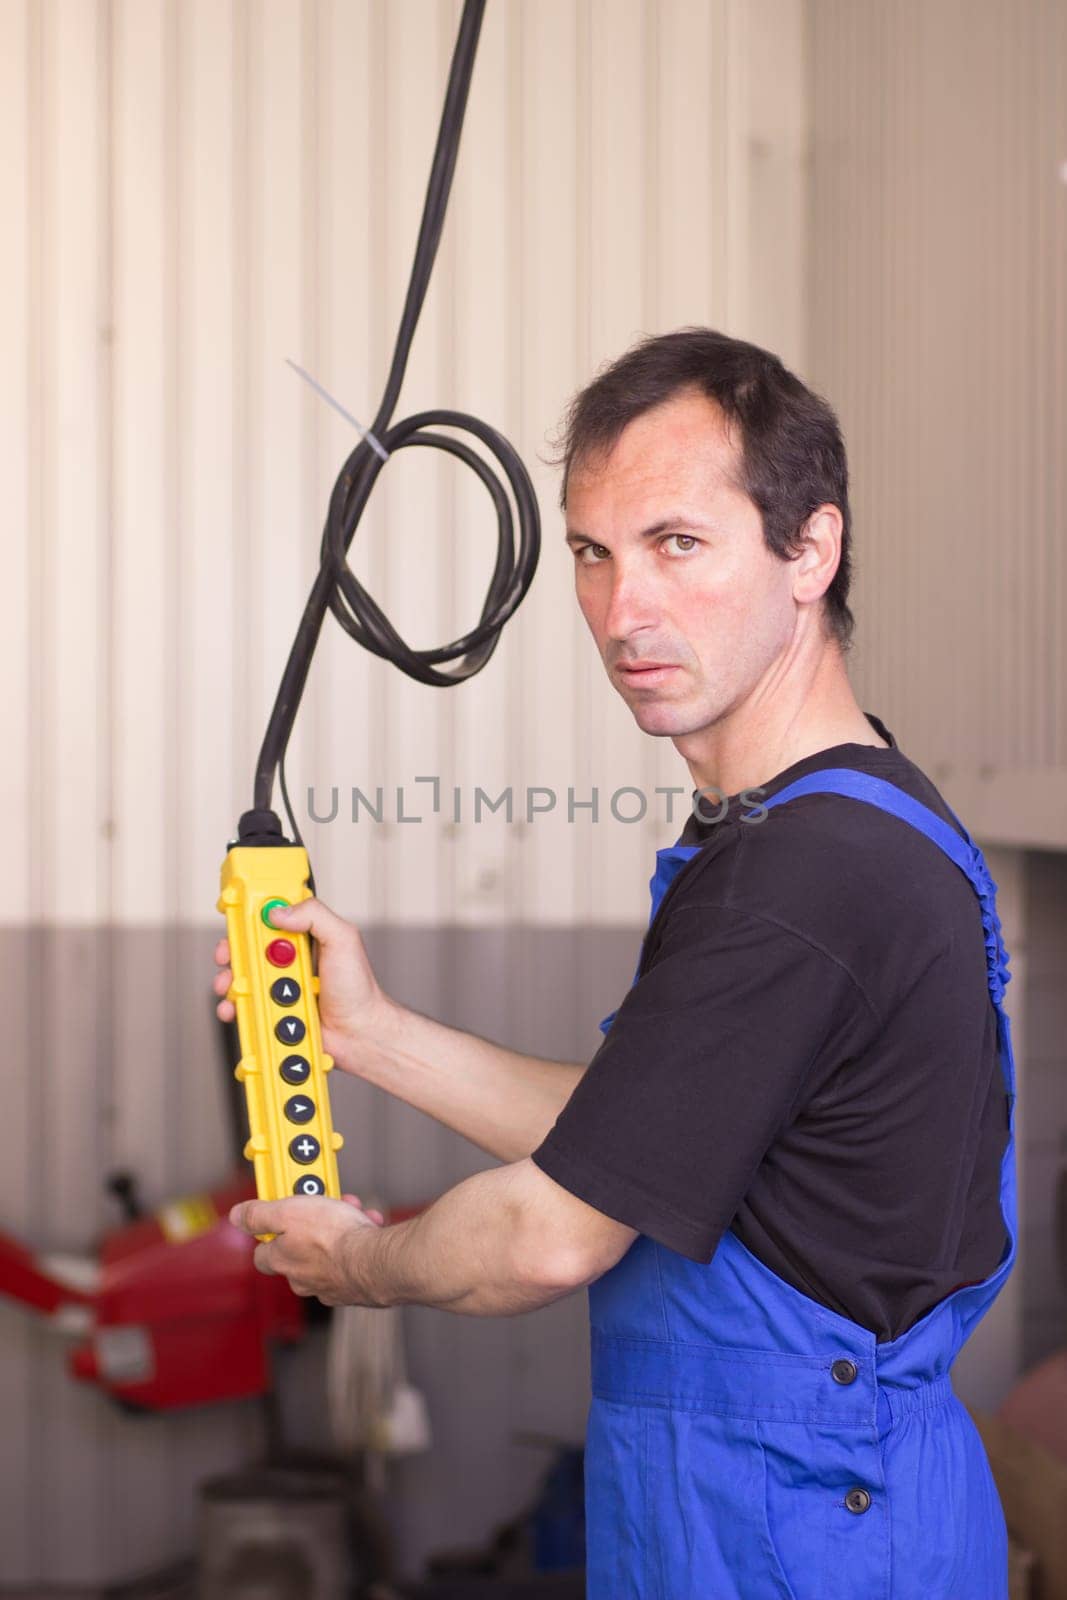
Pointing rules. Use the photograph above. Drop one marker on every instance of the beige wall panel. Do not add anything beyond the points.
(774, 181)
(279, 557)
(75, 647)
(419, 547)
(19, 333)
(483, 737)
(939, 292)
(210, 785)
(550, 636)
(144, 599)
(734, 130)
(347, 353)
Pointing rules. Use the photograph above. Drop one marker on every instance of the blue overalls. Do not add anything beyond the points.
(747, 1443)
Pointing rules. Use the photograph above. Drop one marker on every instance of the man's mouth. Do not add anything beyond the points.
(645, 672)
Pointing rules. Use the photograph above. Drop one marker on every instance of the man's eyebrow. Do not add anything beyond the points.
(574, 537)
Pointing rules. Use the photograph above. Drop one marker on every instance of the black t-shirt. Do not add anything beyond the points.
(808, 1056)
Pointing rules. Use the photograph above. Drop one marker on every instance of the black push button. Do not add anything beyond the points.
(295, 1069)
(285, 991)
(300, 1108)
(304, 1149)
(290, 1030)
(309, 1185)
(844, 1372)
(857, 1500)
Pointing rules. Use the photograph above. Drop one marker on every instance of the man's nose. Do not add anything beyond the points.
(631, 606)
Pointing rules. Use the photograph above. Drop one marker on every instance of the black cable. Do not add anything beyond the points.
(336, 588)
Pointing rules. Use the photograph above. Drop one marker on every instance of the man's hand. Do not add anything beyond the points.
(312, 1243)
(351, 1000)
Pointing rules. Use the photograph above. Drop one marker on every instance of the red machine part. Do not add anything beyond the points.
(186, 1323)
(22, 1278)
(180, 1316)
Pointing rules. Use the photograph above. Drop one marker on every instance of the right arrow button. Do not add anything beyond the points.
(300, 1108)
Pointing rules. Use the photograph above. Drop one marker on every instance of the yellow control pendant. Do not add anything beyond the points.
(283, 1068)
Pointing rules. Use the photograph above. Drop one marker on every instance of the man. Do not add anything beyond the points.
(787, 1173)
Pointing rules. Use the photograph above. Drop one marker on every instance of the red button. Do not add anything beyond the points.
(281, 953)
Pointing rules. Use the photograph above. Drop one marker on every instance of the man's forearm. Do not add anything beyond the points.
(478, 1250)
(502, 1101)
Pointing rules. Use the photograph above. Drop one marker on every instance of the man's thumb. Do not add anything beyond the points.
(307, 916)
(312, 916)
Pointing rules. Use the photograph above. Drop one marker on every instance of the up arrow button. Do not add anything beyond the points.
(285, 991)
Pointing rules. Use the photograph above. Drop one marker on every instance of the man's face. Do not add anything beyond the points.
(671, 568)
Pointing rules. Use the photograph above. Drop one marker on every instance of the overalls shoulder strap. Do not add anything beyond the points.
(887, 797)
(958, 846)
(961, 850)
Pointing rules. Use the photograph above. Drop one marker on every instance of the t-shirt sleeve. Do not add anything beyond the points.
(710, 1056)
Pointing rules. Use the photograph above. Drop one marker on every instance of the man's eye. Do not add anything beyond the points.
(584, 550)
(686, 541)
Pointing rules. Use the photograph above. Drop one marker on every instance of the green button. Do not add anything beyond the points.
(268, 908)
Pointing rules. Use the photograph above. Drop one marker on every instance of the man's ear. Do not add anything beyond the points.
(820, 554)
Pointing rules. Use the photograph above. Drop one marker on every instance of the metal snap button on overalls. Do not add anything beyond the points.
(844, 1372)
(857, 1500)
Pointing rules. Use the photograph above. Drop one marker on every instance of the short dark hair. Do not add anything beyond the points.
(792, 453)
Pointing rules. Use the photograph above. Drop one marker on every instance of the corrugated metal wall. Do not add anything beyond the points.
(192, 192)
(939, 328)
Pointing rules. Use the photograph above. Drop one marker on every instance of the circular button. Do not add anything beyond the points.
(857, 1500)
(285, 991)
(844, 1371)
(290, 1030)
(295, 1069)
(305, 1149)
(301, 1108)
(309, 1185)
(281, 952)
(268, 907)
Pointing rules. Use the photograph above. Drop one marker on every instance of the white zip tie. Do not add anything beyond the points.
(366, 433)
